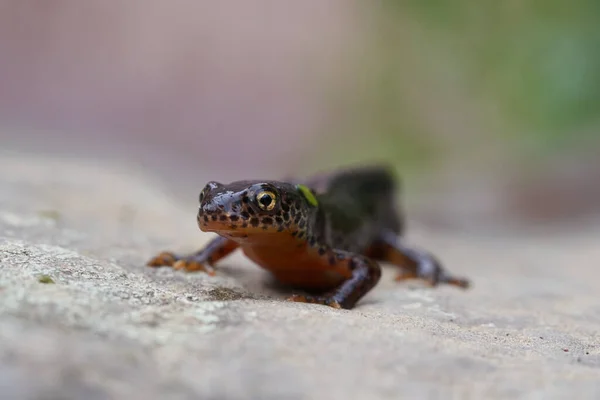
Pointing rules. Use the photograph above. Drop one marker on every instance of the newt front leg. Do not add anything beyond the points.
(363, 273)
(202, 260)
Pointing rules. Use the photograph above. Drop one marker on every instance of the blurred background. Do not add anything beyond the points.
(488, 110)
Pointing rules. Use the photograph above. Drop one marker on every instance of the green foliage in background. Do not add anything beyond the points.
(536, 63)
(537, 60)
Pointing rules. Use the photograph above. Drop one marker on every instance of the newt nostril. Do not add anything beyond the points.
(236, 207)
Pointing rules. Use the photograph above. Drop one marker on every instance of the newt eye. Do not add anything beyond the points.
(266, 200)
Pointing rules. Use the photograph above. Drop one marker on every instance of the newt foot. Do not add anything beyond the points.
(434, 281)
(164, 259)
(459, 282)
(193, 266)
(326, 301)
(168, 259)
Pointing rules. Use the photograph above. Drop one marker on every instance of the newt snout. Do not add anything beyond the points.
(217, 214)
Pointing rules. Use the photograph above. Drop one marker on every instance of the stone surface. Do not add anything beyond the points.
(108, 327)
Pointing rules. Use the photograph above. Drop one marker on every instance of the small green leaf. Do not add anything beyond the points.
(45, 279)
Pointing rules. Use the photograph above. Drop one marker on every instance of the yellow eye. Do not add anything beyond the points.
(266, 200)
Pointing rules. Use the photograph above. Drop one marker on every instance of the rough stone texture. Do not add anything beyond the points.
(108, 327)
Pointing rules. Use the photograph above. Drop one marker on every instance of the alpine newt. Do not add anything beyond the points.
(324, 236)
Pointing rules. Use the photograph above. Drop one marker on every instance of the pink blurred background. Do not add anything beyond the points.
(194, 90)
(199, 83)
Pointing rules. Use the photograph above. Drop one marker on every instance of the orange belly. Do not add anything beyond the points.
(300, 267)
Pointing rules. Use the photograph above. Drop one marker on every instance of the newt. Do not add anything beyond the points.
(325, 236)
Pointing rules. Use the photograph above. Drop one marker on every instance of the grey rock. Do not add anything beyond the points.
(109, 327)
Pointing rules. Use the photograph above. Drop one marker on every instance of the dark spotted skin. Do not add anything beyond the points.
(327, 242)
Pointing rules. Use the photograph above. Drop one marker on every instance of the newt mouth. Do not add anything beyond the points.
(223, 227)
(215, 226)
(235, 230)
(236, 234)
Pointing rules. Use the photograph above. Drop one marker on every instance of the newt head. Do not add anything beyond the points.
(257, 211)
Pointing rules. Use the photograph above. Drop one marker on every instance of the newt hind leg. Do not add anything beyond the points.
(415, 264)
(202, 260)
(363, 273)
